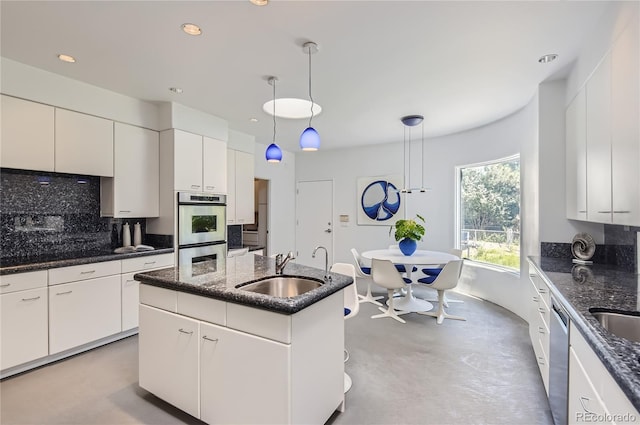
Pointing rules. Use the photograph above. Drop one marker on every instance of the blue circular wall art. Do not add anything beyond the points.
(380, 200)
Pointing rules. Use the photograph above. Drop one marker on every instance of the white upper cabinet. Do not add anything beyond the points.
(83, 144)
(199, 163)
(240, 185)
(625, 127)
(214, 165)
(27, 135)
(598, 92)
(576, 150)
(134, 189)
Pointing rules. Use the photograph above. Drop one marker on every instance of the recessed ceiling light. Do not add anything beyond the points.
(177, 90)
(253, 119)
(259, 2)
(548, 58)
(292, 108)
(66, 58)
(191, 29)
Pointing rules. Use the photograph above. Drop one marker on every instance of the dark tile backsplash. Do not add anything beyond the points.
(619, 249)
(234, 236)
(50, 214)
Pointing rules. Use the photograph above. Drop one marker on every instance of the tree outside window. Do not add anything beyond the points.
(490, 212)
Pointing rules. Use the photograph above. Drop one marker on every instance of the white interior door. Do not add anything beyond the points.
(314, 222)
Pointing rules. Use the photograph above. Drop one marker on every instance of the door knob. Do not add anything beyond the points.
(328, 231)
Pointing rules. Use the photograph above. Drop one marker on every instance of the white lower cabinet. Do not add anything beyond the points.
(262, 367)
(594, 396)
(130, 300)
(82, 312)
(168, 353)
(24, 327)
(228, 362)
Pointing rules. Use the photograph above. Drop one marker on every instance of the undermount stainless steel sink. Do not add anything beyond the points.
(282, 286)
(623, 325)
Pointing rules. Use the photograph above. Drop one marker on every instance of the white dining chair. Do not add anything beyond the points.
(364, 272)
(447, 279)
(351, 306)
(385, 274)
(430, 276)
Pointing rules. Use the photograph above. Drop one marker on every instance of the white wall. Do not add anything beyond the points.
(37, 85)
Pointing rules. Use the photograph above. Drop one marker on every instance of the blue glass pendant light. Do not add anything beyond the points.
(310, 139)
(273, 152)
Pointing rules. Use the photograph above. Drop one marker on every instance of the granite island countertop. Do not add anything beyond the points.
(30, 264)
(205, 280)
(580, 288)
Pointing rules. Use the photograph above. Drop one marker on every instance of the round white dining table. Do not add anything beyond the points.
(419, 258)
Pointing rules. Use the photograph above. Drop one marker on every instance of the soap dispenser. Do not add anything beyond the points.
(126, 235)
(137, 234)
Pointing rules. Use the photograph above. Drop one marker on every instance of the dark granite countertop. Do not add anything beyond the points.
(203, 279)
(30, 264)
(580, 288)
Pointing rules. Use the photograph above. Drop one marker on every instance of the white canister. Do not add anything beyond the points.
(137, 234)
(126, 235)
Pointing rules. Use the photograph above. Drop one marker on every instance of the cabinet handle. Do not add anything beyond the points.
(126, 212)
(583, 211)
(31, 299)
(541, 330)
(149, 263)
(64, 293)
(542, 310)
(536, 299)
(185, 332)
(209, 339)
(604, 212)
(584, 400)
(622, 212)
(195, 186)
(130, 281)
(541, 360)
(88, 272)
(211, 187)
(5, 285)
(542, 290)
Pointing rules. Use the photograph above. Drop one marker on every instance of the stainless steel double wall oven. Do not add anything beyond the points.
(202, 228)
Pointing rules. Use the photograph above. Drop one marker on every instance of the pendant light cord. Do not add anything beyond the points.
(310, 97)
(422, 188)
(274, 110)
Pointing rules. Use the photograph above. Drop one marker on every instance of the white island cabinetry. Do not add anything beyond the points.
(229, 363)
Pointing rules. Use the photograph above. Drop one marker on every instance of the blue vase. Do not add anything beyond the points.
(408, 246)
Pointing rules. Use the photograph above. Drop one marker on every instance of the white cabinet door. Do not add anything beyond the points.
(585, 406)
(168, 358)
(27, 135)
(598, 93)
(83, 144)
(229, 361)
(187, 148)
(214, 165)
(625, 127)
(245, 193)
(82, 312)
(231, 186)
(576, 158)
(24, 327)
(136, 172)
(130, 299)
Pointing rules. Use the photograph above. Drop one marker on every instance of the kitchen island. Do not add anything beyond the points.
(227, 355)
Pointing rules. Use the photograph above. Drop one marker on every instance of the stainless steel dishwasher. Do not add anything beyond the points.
(559, 363)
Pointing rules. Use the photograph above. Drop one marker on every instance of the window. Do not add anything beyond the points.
(489, 212)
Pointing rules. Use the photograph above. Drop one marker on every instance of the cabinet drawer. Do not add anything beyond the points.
(165, 299)
(263, 323)
(146, 263)
(541, 287)
(203, 308)
(23, 281)
(83, 272)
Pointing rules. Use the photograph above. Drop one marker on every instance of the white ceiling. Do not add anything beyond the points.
(461, 64)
